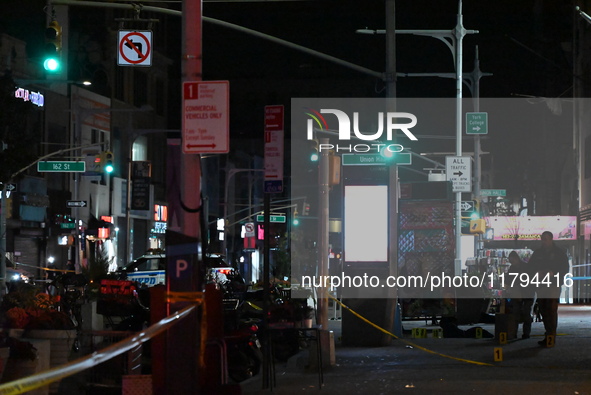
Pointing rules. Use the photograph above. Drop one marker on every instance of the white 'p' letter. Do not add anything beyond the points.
(181, 266)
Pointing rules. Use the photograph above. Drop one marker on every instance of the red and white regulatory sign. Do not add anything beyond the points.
(134, 48)
(206, 117)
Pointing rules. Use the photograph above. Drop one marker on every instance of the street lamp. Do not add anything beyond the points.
(453, 40)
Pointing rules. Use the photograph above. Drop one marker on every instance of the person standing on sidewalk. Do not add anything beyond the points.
(551, 264)
(522, 298)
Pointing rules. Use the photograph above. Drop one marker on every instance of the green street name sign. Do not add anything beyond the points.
(399, 158)
(493, 192)
(476, 123)
(61, 166)
(272, 218)
(67, 225)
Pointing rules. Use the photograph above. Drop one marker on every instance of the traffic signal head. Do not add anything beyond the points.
(108, 166)
(306, 210)
(314, 152)
(53, 47)
(295, 221)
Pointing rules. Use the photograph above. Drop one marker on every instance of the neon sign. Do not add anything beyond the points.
(36, 98)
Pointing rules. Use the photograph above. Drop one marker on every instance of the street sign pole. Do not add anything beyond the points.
(184, 340)
(273, 183)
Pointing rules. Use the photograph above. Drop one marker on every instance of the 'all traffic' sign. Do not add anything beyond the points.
(459, 171)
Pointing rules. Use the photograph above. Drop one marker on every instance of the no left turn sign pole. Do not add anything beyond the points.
(134, 48)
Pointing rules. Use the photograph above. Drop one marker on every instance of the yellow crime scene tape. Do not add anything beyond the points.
(49, 376)
(47, 269)
(405, 341)
(174, 297)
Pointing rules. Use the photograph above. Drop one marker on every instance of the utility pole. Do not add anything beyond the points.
(185, 341)
(459, 34)
(392, 311)
(323, 218)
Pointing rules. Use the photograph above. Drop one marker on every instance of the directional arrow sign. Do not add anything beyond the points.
(467, 205)
(9, 187)
(476, 123)
(76, 203)
(459, 172)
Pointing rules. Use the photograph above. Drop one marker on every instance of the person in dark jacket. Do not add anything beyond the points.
(522, 295)
(551, 264)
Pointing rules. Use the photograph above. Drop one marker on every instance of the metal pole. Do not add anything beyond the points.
(267, 379)
(3, 241)
(477, 148)
(77, 113)
(128, 236)
(323, 208)
(476, 74)
(459, 34)
(392, 305)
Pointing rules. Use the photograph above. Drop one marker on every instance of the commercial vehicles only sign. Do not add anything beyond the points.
(459, 172)
(206, 117)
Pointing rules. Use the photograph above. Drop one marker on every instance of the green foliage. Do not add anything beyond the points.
(304, 255)
(97, 269)
(282, 258)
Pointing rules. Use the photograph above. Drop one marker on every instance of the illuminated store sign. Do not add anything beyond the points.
(36, 98)
(530, 228)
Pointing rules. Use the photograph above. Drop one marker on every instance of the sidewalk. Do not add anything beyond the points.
(403, 367)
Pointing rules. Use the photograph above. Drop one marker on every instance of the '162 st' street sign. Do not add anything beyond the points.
(61, 166)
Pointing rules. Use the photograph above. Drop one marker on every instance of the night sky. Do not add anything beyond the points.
(525, 44)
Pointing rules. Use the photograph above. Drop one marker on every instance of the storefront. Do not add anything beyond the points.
(523, 234)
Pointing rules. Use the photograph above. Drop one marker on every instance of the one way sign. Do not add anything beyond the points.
(76, 203)
(459, 172)
(467, 205)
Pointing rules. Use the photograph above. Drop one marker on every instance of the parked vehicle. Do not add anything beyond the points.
(243, 349)
(148, 270)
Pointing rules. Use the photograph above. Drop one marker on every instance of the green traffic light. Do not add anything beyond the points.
(109, 168)
(51, 64)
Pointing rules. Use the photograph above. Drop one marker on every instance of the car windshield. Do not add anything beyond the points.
(147, 263)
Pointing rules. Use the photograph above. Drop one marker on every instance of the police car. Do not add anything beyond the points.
(148, 270)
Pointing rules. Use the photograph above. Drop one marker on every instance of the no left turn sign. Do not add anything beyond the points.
(134, 48)
(249, 229)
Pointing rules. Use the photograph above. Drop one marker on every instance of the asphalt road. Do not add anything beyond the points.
(450, 366)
